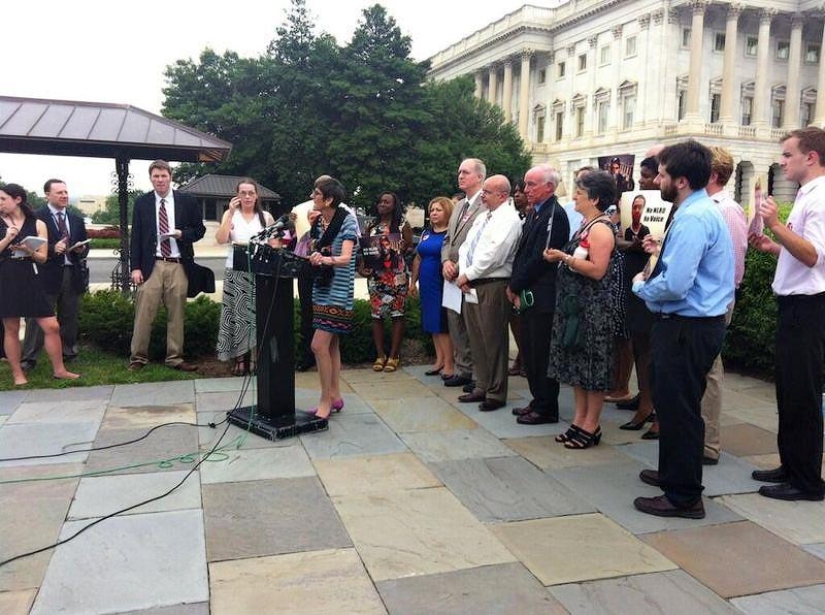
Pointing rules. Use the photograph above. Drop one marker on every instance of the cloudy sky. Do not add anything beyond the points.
(106, 51)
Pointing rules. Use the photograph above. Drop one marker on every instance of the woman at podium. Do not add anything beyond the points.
(334, 235)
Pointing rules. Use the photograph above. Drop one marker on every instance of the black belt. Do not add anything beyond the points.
(786, 299)
(22, 258)
(663, 316)
(168, 259)
(483, 281)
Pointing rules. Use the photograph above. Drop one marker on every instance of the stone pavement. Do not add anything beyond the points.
(409, 503)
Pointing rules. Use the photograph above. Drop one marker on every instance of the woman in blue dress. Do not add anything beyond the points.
(427, 273)
(333, 247)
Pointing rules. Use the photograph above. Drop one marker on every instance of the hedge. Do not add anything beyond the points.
(106, 319)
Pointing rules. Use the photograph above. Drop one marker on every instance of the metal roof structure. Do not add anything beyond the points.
(223, 186)
(100, 130)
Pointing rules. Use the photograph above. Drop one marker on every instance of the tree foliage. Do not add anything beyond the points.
(110, 214)
(363, 112)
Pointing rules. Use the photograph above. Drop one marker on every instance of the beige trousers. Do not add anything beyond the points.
(168, 285)
(712, 400)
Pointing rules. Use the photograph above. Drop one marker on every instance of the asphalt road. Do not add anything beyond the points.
(100, 269)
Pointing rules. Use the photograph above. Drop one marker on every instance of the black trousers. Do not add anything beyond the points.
(536, 329)
(683, 350)
(800, 347)
(304, 354)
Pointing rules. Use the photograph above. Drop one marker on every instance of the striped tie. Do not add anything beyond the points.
(163, 224)
(477, 237)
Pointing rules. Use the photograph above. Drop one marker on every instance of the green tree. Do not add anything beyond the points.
(111, 213)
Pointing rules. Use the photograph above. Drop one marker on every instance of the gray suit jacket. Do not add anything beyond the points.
(459, 227)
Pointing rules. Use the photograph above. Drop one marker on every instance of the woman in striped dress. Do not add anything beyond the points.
(236, 332)
(334, 234)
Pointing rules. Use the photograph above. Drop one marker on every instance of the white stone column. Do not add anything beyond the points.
(726, 115)
(507, 100)
(792, 92)
(613, 124)
(479, 84)
(697, 31)
(524, 94)
(492, 95)
(761, 91)
(819, 117)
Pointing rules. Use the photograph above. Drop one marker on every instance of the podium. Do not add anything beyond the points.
(274, 416)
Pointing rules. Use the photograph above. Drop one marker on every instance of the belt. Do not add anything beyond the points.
(786, 299)
(168, 259)
(483, 281)
(663, 316)
(21, 258)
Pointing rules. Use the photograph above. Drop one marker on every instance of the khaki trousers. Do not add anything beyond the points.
(489, 338)
(712, 400)
(167, 284)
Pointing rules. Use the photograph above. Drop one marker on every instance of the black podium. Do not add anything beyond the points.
(274, 416)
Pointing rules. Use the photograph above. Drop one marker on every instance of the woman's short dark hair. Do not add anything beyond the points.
(599, 185)
(519, 185)
(16, 191)
(331, 188)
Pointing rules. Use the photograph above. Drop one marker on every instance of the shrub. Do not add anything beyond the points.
(110, 232)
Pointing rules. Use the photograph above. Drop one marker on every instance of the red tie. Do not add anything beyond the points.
(163, 224)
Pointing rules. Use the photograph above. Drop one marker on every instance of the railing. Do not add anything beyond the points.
(713, 130)
(747, 132)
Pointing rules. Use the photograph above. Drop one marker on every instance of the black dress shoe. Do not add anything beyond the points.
(777, 475)
(709, 461)
(651, 477)
(488, 405)
(471, 397)
(457, 381)
(650, 435)
(469, 387)
(630, 404)
(786, 491)
(631, 426)
(522, 411)
(534, 418)
(432, 372)
(660, 506)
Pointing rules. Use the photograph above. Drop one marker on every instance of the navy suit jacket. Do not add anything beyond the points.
(530, 270)
(188, 220)
(51, 272)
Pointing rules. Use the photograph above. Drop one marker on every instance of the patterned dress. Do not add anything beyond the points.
(388, 286)
(332, 302)
(236, 330)
(587, 364)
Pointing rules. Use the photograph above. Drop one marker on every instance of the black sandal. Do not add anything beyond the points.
(568, 435)
(584, 439)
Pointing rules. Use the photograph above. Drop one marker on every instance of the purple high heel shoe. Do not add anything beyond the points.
(336, 407)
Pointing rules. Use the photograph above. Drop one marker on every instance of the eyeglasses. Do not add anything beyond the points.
(489, 192)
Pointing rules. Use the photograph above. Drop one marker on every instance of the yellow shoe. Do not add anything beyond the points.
(378, 366)
(392, 365)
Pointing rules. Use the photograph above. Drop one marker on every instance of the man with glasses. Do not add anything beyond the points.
(485, 262)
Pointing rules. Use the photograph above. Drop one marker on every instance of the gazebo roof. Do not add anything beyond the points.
(223, 186)
(100, 130)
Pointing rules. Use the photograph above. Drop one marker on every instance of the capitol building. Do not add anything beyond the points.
(588, 78)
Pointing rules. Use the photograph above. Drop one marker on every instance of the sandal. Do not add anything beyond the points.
(392, 365)
(567, 435)
(584, 439)
(378, 366)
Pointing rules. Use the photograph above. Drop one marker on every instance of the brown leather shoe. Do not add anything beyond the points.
(534, 418)
(471, 397)
(488, 405)
(660, 506)
(522, 411)
(651, 477)
(183, 366)
(136, 366)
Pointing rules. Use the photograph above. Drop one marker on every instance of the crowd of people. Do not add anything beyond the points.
(585, 299)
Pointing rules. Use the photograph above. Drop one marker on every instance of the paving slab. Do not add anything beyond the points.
(201, 608)
(745, 439)
(17, 602)
(158, 394)
(612, 489)
(61, 395)
(579, 548)
(133, 562)
(9, 400)
(758, 389)
(374, 474)
(98, 496)
(613, 435)
(416, 532)
(215, 385)
(545, 453)
(313, 582)
(738, 559)
(455, 444)
(673, 592)
(503, 589)
(38, 506)
(731, 475)
(269, 517)
(508, 489)
(148, 416)
(764, 418)
(816, 549)
(33, 439)
(3, 419)
(760, 397)
(797, 522)
(361, 434)
(799, 601)
(405, 388)
(411, 415)
(221, 402)
(167, 449)
(307, 399)
(42, 412)
(235, 437)
(502, 423)
(366, 376)
(258, 464)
